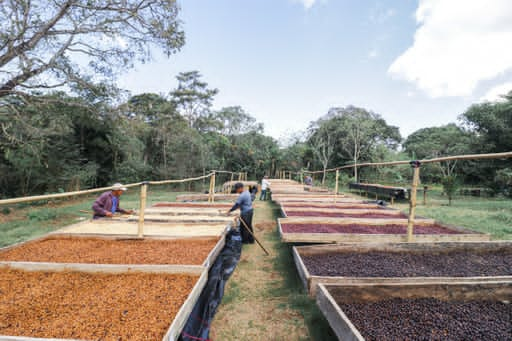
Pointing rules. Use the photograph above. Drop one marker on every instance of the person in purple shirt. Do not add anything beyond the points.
(108, 203)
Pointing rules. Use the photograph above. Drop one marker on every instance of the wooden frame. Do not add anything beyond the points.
(332, 238)
(205, 197)
(207, 263)
(310, 282)
(382, 210)
(177, 323)
(346, 331)
(153, 229)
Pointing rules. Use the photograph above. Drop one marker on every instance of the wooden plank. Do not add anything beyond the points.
(304, 274)
(331, 238)
(182, 316)
(104, 268)
(312, 281)
(339, 322)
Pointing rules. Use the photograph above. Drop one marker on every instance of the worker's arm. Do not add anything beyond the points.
(119, 209)
(98, 206)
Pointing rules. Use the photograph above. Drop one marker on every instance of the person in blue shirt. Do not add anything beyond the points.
(244, 203)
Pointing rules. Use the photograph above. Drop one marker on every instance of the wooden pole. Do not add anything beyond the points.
(412, 203)
(290, 175)
(210, 191)
(213, 187)
(425, 188)
(336, 186)
(143, 195)
(252, 234)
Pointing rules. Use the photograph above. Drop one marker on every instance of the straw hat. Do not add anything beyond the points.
(118, 187)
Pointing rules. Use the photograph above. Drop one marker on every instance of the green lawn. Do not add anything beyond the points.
(25, 221)
(489, 215)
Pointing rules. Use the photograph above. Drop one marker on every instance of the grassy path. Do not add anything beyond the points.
(264, 299)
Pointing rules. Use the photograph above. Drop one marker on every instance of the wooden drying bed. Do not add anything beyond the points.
(184, 218)
(330, 298)
(175, 230)
(205, 197)
(115, 250)
(85, 301)
(311, 281)
(342, 213)
(216, 205)
(456, 233)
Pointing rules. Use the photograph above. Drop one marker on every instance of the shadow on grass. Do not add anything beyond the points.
(292, 288)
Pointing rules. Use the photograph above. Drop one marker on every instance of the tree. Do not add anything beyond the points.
(354, 133)
(192, 97)
(72, 43)
(322, 143)
(450, 185)
(436, 142)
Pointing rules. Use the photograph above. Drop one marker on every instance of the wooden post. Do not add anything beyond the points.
(143, 195)
(392, 200)
(212, 189)
(301, 179)
(232, 176)
(412, 203)
(290, 175)
(425, 188)
(336, 185)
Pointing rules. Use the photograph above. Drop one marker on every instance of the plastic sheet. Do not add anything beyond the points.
(199, 321)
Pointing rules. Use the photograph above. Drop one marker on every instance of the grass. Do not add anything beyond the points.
(264, 299)
(483, 214)
(25, 221)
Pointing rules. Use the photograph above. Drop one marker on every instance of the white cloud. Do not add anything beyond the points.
(457, 44)
(495, 94)
(307, 3)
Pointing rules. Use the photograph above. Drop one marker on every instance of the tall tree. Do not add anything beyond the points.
(192, 97)
(354, 133)
(72, 43)
(439, 141)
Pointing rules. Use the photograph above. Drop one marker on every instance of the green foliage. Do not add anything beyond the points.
(450, 185)
(42, 215)
(436, 142)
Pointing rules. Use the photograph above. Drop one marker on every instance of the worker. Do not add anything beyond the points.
(308, 181)
(265, 184)
(109, 202)
(253, 190)
(244, 203)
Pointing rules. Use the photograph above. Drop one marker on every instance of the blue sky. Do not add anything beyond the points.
(286, 62)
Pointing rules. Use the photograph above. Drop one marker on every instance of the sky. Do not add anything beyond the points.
(286, 62)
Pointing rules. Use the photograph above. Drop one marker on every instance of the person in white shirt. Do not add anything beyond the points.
(264, 187)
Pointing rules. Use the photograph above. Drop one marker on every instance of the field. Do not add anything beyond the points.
(488, 215)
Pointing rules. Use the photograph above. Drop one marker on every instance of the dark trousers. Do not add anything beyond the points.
(263, 195)
(246, 236)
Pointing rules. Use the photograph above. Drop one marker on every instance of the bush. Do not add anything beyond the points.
(6, 210)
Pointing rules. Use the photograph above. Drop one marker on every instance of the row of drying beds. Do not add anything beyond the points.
(176, 253)
(367, 271)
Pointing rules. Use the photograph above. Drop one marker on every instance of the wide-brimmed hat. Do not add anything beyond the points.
(118, 187)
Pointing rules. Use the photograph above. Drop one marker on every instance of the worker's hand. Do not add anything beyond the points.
(228, 213)
(108, 214)
(130, 212)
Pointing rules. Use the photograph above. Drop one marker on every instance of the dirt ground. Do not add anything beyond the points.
(259, 303)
